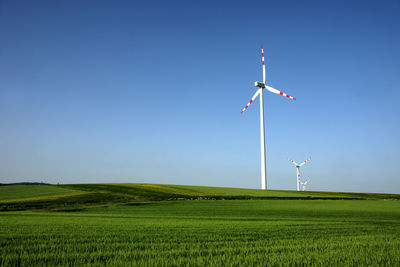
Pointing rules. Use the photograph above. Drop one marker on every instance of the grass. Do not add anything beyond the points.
(281, 194)
(168, 225)
(31, 191)
(78, 196)
(211, 232)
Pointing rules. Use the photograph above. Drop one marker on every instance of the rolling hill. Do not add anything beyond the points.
(78, 196)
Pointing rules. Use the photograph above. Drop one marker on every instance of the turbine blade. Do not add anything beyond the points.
(273, 90)
(252, 99)
(263, 63)
(293, 162)
(307, 160)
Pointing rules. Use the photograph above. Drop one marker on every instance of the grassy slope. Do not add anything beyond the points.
(207, 233)
(142, 231)
(31, 191)
(78, 196)
(256, 193)
(165, 192)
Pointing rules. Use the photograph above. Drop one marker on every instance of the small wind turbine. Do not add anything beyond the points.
(261, 86)
(298, 171)
(303, 184)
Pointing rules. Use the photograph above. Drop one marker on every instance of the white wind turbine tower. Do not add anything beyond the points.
(298, 171)
(303, 184)
(261, 86)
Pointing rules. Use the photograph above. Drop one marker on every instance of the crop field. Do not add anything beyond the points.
(163, 225)
(14, 192)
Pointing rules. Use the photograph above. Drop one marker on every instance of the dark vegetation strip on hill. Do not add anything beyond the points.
(86, 195)
(25, 183)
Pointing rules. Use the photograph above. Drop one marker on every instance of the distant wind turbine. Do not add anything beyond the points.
(261, 86)
(303, 184)
(298, 171)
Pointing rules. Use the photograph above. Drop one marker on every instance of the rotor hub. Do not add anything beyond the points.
(258, 84)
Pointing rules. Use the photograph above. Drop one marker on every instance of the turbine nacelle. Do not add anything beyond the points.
(258, 84)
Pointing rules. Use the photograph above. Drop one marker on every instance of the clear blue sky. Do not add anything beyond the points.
(147, 91)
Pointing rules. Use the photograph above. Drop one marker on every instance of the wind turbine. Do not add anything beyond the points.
(303, 184)
(261, 86)
(298, 171)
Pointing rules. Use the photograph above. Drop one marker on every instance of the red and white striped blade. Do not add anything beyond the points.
(293, 162)
(273, 90)
(263, 63)
(252, 99)
(307, 160)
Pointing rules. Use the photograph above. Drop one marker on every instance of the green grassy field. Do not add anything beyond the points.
(65, 197)
(163, 225)
(15, 192)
